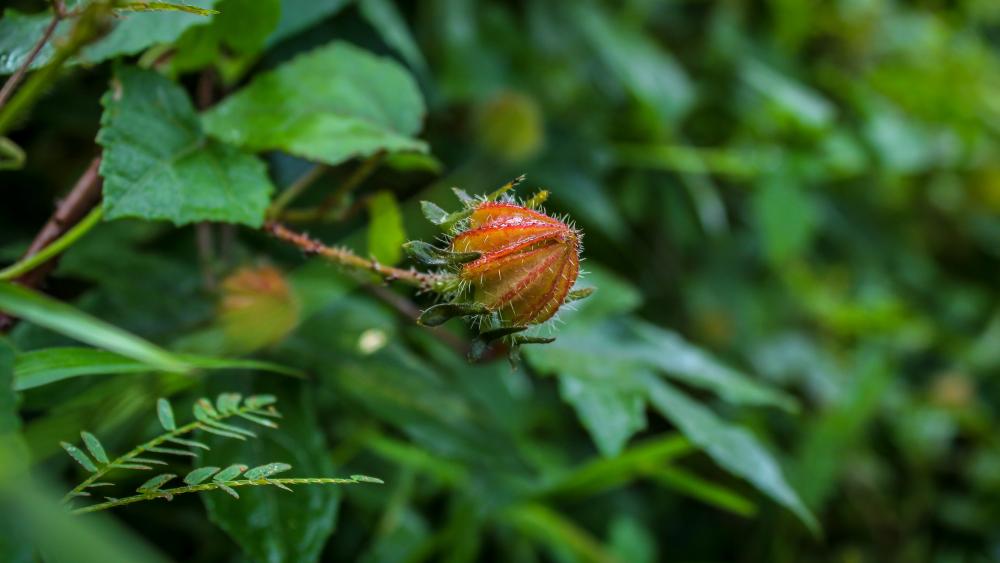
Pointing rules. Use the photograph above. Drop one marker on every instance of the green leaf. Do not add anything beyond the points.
(644, 69)
(227, 403)
(18, 35)
(166, 414)
(158, 164)
(136, 31)
(133, 32)
(198, 475)
(265, 471)
(267, 525)
(155, 483)
(433, 212)
(610, 414)
(172, 451)
(40, 367)
(689, 364)
(258, 401)
(188, 443)
(386, 19)
(297, 15)
(786, 216)
(94, 447)
(80, 457)
(733, 448)
(65, 319)
(385, 230)
(329, 105)
(230, 473)
(242, 26)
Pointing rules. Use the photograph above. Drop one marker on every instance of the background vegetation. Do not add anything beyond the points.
(790, 212)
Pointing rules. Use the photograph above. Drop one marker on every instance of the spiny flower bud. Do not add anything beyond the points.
(509, 265)
(528, 261)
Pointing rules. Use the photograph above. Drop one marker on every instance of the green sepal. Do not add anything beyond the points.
(481, 344)
(466, 199)
(443, 312)
(505, 188)
(430, 255)
(578, 294)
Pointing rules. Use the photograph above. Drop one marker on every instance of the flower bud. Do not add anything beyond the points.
(528, 261)
(257, 309)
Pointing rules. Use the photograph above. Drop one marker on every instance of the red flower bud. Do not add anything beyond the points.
(528, 263)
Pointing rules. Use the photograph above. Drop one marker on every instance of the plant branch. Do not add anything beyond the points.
(348, 259)
(170, 493)
(144, 447)
(58, 13)
(89, 26)
(50, 251)
(72, 209)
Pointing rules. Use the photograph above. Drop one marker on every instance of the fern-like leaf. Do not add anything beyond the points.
(200, 474)
(166, 415)
(94, 447)
(80, 457)
(155, 483)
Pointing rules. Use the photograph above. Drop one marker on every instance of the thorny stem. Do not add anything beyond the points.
(170, 493)
(31, 262)
(144, 447)
(346, 258)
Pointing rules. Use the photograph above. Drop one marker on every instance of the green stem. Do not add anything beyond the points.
(295, 190)
(29, 263)
(170, 493)
(142, 448)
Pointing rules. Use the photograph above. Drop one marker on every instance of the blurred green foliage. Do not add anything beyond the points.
(790, 211)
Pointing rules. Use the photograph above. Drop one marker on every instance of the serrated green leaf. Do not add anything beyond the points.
(227, 403)
(329, 105)
(198, 475)
(18, 35)
(166, 414)
(80, 457)
(385, 230)
(733, 448)
(48, 365)
(70, 321)
(231, 472)
(266, 470)
(611, 414)
(156, 482)
(183, 176)
(94, 446)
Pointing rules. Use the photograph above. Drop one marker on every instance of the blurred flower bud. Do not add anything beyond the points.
(257, 309)
(510, 126)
